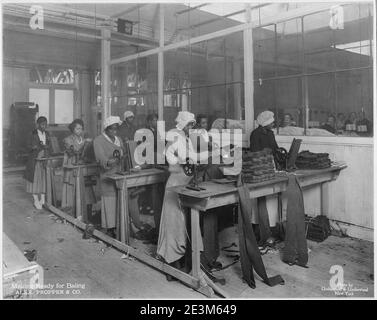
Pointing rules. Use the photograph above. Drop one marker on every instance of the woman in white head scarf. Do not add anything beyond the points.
(172, 241)
(104, 147)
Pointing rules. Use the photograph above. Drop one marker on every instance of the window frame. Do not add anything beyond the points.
(52, 88)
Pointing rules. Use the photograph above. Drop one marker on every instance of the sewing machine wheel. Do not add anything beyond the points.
(188, 168)
(281, 156)
(116, 154)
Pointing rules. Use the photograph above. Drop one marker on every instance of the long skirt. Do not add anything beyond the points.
(38, 186)
(69, 191)
(108, 211)
(172, 238)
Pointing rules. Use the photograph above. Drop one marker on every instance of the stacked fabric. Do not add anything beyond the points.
(310, 160)
(258, 166)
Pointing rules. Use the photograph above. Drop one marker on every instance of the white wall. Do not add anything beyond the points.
(351, 195)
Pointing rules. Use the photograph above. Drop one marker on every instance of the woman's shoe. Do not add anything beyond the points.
(37, 205)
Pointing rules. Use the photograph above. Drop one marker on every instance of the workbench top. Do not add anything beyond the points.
(82, 165)
(58, 157)
(137, 174)
(217, 189)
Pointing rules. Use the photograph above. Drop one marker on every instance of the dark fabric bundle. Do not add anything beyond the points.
(295, 249)
(318, 228)
(310, 160)
(249, 252)
(258, 166)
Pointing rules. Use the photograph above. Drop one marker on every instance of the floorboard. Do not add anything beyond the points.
(67, 258)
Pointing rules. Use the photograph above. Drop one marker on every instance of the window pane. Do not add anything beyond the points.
(42, 98)
(352, 43)
(289, 48)
(322, 109)
(318, 43)
(41, 74)
(63, 106)
(134, 88)
(355, 102)
(288, 111)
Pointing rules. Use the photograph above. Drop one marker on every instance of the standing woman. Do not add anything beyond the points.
(172, 241)
(35, 174)
(104, 147)
(74, 145)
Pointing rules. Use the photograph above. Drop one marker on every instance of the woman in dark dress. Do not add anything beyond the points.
(35, 175)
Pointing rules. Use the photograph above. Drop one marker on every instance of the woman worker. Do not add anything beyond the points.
(104, 147)
(74, 146)
(262, 138)
(172, 241)
(35, 174)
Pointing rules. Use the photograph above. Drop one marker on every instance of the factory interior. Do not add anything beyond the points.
(308, 64)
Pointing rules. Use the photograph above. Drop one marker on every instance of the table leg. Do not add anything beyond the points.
(280, 207)
(325, 198)
(84, 209)
(210, 235)
(48, 185)
(195, 240)
(78, 212)
(124, 220)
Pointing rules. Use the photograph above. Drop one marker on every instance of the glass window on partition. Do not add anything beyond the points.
(315, 72)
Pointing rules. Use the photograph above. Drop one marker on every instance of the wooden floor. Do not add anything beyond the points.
(67, 258)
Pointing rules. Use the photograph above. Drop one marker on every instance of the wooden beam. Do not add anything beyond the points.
(105, 73)
(160, 93)
(293, 14)
(191, 8)
(129, 10)
(248, 74)
(149, 260)
(228, 15)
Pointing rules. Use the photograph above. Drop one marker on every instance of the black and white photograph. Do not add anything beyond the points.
(167, 150)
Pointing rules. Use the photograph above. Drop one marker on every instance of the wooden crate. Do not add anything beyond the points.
(21, 278)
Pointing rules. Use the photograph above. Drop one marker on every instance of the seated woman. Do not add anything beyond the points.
(74, 146)
(172, 242)
(35, 174)
(104, 147)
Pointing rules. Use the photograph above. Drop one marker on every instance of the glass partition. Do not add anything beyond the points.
(322, 61)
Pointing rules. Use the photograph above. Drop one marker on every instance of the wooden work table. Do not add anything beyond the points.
(79, 172)
(215, 195)
(218, 195)
(123, 182)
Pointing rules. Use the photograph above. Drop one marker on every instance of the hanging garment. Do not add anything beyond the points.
(295, 249)
(249, 252)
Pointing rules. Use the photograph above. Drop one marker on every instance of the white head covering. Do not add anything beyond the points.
(110, 121)
(265, 118)
(183, 118)
(128, 114)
